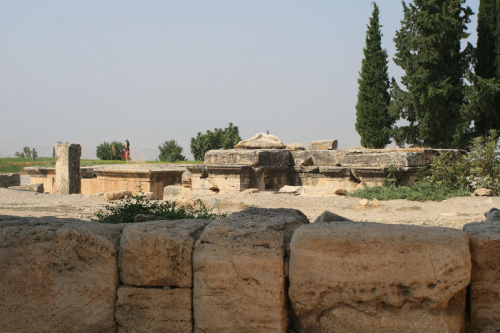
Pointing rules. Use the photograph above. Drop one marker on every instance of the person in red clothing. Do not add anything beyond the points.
(126, 152)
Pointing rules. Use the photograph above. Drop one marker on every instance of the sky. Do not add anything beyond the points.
(88, 71)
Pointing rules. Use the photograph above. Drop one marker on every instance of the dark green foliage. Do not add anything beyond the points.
(110, 151)
(429, 51)
(27, 152)
(484, 95)
(170, 151)
(126, 210)
(225, 138)
(373, 121)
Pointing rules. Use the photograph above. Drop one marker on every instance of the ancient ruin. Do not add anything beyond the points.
(260, 270)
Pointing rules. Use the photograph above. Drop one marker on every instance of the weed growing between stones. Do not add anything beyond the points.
(449, 176)
(125, 210)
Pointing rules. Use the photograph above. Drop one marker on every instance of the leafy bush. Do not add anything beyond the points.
(170, 151)
(225, 138)
(125, 210)
(110, 151)
(449, 176)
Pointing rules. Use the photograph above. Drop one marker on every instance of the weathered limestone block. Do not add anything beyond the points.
(269, 177)
(370, 277)
(295, 146)
(324, 145)
(68, 168)
(154, 310)
(220, 178)
(30, 187)
(261, 141)
(240, 272)
(10, 179)
(57, 276)
(253, 157)
(315, 157)
(159, 254)
(485, 285)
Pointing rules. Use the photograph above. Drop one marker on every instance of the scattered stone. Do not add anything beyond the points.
(295, 146)
(483, 192)
(323, 145)
(58, 275)
(360, 186)
(493, 215)
(485, 283)
(251, 191)
(240, 271)
(159, 254)
(291, 189)
(10, 179)
(31, 187)
(341, 191)
(153, 310)
(172, 191)
(150, 195)
(330, 217)
(354, 277)
(375, 203)
(109, 196)
(261, 141)
(364, 202)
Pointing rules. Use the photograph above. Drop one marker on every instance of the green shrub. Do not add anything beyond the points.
(124, 211)
(110, 151)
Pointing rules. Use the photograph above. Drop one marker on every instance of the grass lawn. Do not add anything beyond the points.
(17, 165)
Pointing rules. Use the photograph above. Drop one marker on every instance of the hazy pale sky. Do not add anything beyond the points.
(93, 71)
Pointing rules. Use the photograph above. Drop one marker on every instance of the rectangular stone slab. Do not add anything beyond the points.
(154, 310)
(371, 277)
(253, 157)
(485, 285)
(159, 253)
(57, 276)
(240, 272)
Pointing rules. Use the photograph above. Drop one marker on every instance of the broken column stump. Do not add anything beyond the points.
(68, 168)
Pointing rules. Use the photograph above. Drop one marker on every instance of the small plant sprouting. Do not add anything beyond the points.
(125, 210)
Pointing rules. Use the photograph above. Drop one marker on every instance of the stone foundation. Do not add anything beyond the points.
(10, 179)
(235, 275)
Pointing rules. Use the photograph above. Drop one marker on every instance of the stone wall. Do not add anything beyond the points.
(260, 270)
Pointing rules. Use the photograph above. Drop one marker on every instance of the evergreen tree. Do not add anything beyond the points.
(373, 121)
(429, 51)
(170, 151)
(220, 138)
(484, 97)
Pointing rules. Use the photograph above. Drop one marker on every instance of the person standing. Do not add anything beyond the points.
(126, 152)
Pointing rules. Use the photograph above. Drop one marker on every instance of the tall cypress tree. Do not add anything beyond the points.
(429, 51)
(373, 121)
(484, 98)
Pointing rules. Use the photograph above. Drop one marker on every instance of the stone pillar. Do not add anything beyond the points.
(68, 168)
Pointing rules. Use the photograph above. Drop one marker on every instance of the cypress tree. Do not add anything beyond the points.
(429, 51)
(373, 121)
(485, 92)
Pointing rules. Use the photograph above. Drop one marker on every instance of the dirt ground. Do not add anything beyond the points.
(453, 213)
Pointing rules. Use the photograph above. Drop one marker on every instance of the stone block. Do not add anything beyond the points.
(371, 277)
(30, 187)
(159, 254)
(68, 168)
(484, 291)
(220, 178)
(154, 310)
(252, 157)
(240, 272)
(315, 157)
(57, 276)
(324, 145)
(109, 196)
(10, 179)
(172, 191)
(261, 141)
